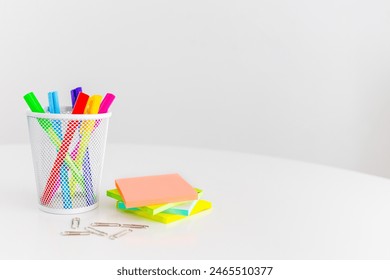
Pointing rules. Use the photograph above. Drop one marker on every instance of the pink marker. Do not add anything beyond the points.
(106, 103)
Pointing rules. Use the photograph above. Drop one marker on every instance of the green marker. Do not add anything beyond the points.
(36, 107)
(33, 103)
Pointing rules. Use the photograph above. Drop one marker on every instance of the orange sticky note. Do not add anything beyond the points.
(158, 189)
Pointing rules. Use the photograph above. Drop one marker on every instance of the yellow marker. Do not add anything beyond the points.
(86, 129)
(94, 105)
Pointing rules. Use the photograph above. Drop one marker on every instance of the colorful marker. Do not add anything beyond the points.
(50, 189)
(74, 94)
(82, 158)
(36, 107)
(63, 180)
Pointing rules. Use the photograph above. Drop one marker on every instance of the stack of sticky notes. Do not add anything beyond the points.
(162, 198)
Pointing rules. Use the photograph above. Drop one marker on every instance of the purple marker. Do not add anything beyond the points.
(74, 93)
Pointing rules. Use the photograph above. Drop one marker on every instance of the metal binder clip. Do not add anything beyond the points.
(98, 224)
(119, 234)
(96, 231)
(75, 223)
(134, 226)
(75, 233)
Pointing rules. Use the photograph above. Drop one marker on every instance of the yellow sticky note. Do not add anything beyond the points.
(202, 205)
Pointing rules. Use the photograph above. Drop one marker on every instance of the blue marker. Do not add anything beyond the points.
(54, 108)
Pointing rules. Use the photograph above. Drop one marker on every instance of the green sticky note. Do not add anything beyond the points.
(186, 208)
(165, 218)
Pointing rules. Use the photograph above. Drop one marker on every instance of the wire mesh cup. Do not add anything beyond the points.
(68, 154)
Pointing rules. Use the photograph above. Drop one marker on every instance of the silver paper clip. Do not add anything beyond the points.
(134, 226)
(98, 224)
(75, 233)
(96, 231)
(75, 223)
(120, 233)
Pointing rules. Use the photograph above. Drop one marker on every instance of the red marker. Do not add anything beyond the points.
(81, 102)
(51, 187)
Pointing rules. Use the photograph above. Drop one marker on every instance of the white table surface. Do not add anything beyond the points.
(263, 208)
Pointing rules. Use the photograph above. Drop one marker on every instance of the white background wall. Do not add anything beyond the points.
(308, 80)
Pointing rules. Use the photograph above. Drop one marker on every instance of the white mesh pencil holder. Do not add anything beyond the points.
(68, 153)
